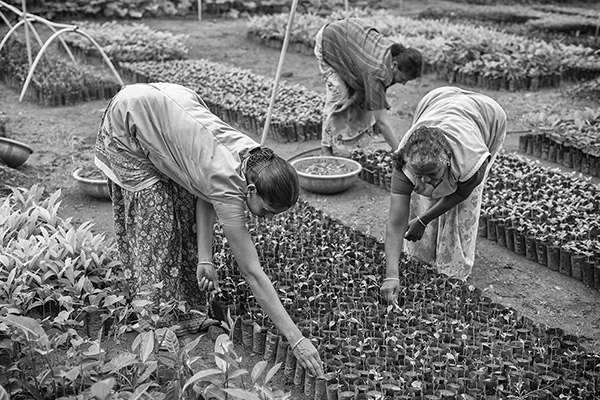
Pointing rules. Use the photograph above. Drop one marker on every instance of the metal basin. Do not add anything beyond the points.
(14, 153)
(96, 188)
(326, 184)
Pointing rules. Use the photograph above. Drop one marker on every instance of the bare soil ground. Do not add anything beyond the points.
(63, 139)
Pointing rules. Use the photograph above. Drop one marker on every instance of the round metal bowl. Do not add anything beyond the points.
(96, 188)
(326, 184)
(13, 153)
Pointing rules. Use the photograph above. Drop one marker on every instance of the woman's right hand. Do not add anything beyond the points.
(389, 290)
(308, 356)
(207, 276)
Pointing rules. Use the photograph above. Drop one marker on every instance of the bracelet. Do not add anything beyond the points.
(392, 279)
(421, 221)
(206, 263)
(297, 343)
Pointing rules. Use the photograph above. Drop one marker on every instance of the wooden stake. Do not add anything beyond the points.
(199, 10)
(286, 41)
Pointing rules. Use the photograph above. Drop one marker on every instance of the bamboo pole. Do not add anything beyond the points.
(49, 42)
(19, 13)
(34, 18)
(27, 42)
(35, 32)
(286, 42)
(6, 21)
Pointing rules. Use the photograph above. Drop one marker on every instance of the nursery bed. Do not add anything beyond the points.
(548, 216)
(444, 339)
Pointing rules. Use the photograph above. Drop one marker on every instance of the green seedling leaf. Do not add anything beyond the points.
(237, 374)
(199, 376)
(94, 350)
(101, 390)
(140, 303)
(188, 348)
(258, 370)
(225, 361)
(222, 346)
(29, 326)
(146, 346)
(167, 340)
(3, 394)
(230, 320)
(122, 360)
(212, 391)
(112, 299)
(272, 372)
(62, 317)
(71, 374)
(11, 278)
(241, 394)
(150, 368)
(141, 390)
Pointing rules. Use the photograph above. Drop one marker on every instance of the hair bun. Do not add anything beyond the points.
(261, 154)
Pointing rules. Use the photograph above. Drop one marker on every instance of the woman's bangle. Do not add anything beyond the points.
(206, 263)
(297, 343)
(421, 221)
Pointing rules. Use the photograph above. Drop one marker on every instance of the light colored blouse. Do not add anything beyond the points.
(473, 125)
(158, 130)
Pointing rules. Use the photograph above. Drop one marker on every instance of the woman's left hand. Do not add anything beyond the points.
(207, 277)
(415, 230)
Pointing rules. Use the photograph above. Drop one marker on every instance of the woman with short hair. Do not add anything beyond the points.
(173, 168)
(358, 65)
(437, 183)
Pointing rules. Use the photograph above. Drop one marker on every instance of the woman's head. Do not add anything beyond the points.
(426, 154)
(408, 63)
(273, 185)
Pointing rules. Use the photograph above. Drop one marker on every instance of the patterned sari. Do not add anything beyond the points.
(156, 238)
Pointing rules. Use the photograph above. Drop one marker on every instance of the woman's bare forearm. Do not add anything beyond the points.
(267, 298)
(441, 206)
(205, 222)
(394, 245)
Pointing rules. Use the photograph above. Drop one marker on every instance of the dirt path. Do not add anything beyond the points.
(63, 138)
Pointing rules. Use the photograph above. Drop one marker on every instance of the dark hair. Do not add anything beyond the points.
(410, 61)
(427, 145)
(275, 179)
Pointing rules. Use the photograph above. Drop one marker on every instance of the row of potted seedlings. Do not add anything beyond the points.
(460, 53)
(568, 26)
(587, 90)
(127, 42)
(538, 212)
(571, 148)
(573, 141)
(240, 97)
(443, 340)
(56, 82)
